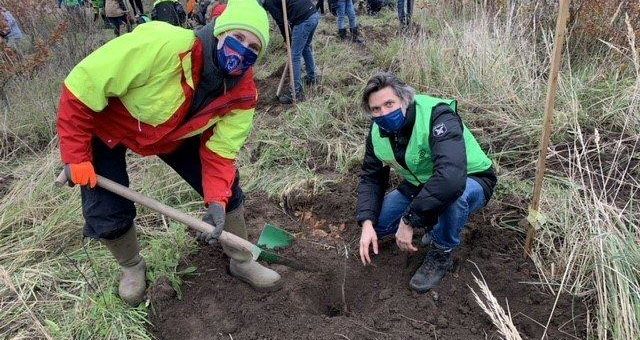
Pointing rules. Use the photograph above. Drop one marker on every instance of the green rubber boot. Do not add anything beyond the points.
(126, 251)
(241, 264)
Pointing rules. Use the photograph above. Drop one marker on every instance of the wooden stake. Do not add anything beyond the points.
(288, 42)
(534, 217)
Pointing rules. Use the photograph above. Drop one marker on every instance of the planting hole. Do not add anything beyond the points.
(334, 310)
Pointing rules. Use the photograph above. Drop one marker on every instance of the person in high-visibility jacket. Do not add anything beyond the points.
(188, 98)
(447, 176)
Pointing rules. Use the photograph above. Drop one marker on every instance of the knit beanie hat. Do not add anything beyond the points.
(246, 15)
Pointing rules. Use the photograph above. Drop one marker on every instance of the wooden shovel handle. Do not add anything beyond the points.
(282, 77)
(225, 238)
(288, 45)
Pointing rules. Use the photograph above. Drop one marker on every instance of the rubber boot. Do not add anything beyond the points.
(436, 265)
(126, 251)
(241, 264)
(342, 33)
(355, 36)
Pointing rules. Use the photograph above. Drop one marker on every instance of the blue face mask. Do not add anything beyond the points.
(234, 58)
(391, 122)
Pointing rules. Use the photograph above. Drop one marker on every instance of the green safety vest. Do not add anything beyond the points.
(418, 154)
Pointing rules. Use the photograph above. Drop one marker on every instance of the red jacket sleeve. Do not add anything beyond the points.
(218, 173)
(75, 128)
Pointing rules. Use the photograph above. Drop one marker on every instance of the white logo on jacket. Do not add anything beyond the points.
(439, 130)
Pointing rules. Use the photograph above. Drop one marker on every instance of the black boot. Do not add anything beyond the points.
(342, 33)
(312, 81)
(355, 37)
(287, 98)
(436, 265)
(403, 28)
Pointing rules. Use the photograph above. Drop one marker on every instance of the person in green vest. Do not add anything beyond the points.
(447, 176)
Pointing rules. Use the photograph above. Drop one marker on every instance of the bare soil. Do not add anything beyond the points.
(341, 299)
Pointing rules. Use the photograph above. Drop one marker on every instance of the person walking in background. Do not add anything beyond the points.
(303, 19)
(170, 11)
(200, 12)
(118, 15)
(215, 9)
(447, 176)
(98, 10)
(405, 11)
(4, 26)
(10, 31)
(192, 5)
(137, 7)
(188, 97)
(346, 9)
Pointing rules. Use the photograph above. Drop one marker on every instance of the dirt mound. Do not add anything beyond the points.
(344, 300)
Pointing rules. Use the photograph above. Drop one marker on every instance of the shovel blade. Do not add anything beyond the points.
(273, 238)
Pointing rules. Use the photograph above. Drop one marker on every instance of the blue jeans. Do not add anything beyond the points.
(446, 233)
(405, 10)
(302, 37)
(346, 7)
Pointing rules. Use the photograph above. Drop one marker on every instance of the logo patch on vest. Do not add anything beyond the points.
(422, 154)
(439, 130)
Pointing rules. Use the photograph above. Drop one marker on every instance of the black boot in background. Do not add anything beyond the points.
(342, 33)
(355, 36)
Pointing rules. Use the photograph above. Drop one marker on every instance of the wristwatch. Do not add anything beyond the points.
(411, 219)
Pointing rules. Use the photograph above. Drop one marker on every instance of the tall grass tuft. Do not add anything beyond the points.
(490, 305)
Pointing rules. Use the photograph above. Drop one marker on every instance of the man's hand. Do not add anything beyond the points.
(214, 216)
(404, 237)
(81, 174)
(368, 238)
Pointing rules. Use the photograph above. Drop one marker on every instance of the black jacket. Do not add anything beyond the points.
(441, 190)
(297, 12)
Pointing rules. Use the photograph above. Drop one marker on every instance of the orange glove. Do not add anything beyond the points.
(82, 174)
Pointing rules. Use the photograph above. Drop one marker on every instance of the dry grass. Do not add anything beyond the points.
(590, 247)
(490, 305)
